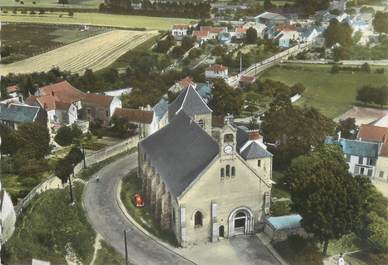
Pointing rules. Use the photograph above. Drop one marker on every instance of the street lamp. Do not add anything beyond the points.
(125, 245)
(71, 186)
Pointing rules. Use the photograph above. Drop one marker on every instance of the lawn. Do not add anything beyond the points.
(49, 226)
(332, 94)
(97, 19)
(131, 185)
(107, 255)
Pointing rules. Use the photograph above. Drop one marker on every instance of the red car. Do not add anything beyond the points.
(138, 200)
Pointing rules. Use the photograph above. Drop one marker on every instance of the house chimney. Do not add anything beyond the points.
(253, 135)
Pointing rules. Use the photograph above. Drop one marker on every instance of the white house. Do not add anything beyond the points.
(179, 31)
(216, 71)
(308, 34)
(7, 217)
(259, 27)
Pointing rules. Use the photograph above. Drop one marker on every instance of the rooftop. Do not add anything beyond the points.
(285, 222)
(373, 133)
(134, 115)
(100, 100)
(18, 113)
(179, 152)
(356, 147)
(63, 91)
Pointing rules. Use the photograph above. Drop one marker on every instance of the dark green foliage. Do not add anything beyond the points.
(348, 128)
(177, 52)
(309, 7)
(338, 33)
(371, 94)
(380, 22)
(187, 43)
(280, 208)
(295, 130)
(66, 135)
(273, 88)
(162, 46)
(219, 50)
(251, 36)
(186, 9)
(226, 100)
(321, 185)
(65, 166)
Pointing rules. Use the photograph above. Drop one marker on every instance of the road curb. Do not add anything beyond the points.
(140, 228)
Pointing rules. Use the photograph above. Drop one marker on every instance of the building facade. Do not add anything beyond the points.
(201, 182)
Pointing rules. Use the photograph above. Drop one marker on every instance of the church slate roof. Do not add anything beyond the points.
(254, 151)
(179, 152)
(161, 108)
(190, 102)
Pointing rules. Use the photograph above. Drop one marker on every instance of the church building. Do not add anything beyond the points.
(201, 182)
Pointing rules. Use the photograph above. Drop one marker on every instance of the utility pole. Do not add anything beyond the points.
(83, 152)
(240, 62)
(126, 248)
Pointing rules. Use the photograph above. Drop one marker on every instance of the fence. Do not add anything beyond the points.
(55, 183)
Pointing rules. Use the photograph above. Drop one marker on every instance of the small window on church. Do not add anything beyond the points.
(228, 138)
(233, 171)
(222, 173)
(201, 123)
(198, 219)
(173, 215)
(228, 171)
(259, 163)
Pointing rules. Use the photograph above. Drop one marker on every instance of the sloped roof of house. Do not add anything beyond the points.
(97, 99)
(134, 115)
(186, 82)
(18, 113)
(179, 152)
(254, 151)
(217, 68)
(212, 29)
(286, 27)
(161, 108)
(63, 91)
(204, 90)
(372, 133)
(180, 26)
(356, 147)
(240, 30)
(12, 89)
(48, 102)
(285, 222)
(200, 34)
(190, 102)
(271, 16)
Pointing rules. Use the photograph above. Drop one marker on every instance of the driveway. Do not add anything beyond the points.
(108, 220)
(241, 250)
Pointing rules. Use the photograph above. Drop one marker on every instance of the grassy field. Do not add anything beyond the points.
(131, 185)
(97, 19)
(50, 224)
(93, 53)
(22, 41)
(332, 94)
(53, 3)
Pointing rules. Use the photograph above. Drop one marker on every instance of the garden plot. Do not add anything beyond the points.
(93, 53)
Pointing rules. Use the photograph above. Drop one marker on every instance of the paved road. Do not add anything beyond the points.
(108, 220)
(344, 62)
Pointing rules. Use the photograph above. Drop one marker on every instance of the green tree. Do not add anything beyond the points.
(325, 194)
(177, 52)
(380, 22)
(64, 136)
(226, 99)
(378, 233)
(267, 5)
(348, 128)
(338, 32)
(251, 36)
(34, 140)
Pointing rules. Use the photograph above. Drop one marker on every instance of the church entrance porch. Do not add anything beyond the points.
(241, 222)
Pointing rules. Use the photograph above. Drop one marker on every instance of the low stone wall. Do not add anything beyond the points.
(55, 183)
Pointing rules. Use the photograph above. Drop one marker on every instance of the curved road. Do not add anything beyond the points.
(107, 219)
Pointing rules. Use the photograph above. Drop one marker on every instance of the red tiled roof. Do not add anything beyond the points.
(186, 82)
(212, 29)
(200, 34)
(373, 133)
(50, 103)
(247, 79)
(217, 68)
(135, 115)
(180, 26)
(100, 100)
(63, 92)
(12, 89)
(240, 30)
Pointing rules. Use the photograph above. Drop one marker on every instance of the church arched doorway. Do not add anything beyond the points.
(221, 231)
(241, 222)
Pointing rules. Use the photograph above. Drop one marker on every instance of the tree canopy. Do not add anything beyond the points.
(338, 32)
(251, 36)
(294, 130)
(380, 22)
(325, 194)
(226, 99)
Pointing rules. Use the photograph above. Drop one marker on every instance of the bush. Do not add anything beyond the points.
(280, 208)
(335, 69)
(380, 70)
(32, 12)
(365, 68)
(67, 135)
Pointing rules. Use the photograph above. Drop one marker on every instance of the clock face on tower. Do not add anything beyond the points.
(228, 149)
